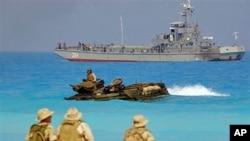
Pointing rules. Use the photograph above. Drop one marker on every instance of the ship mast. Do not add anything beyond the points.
(121, 29)
(188, 10)
(235, 37)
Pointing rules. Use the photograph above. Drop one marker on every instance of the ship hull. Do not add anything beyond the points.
(124, 57)
(91, 56)
(228, 53)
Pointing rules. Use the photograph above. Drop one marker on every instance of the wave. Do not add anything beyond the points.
(194, 90)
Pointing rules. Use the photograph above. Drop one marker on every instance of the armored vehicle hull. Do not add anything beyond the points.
(134, 92)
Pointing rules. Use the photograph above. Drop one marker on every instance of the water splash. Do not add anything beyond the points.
(194, 90)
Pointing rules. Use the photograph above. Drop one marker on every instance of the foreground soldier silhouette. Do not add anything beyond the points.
(73, 128)
(42, 131)
(138, 132)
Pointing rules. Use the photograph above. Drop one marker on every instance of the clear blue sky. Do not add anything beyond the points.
(37, 25)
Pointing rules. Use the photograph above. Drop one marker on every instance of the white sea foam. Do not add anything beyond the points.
(194, 90)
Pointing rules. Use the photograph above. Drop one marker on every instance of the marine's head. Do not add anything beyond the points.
(44, 114)
(139, 121)
(89, 71)
(73, 114)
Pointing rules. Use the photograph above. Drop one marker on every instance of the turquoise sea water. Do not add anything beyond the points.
(206, 97)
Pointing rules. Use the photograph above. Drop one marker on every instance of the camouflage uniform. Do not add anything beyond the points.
(139, 131)
(73, 128)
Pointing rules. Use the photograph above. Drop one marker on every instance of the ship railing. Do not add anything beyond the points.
(138, 49)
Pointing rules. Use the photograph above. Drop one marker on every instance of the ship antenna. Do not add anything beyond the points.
(121, 28)
(235, 37)
(188, 10)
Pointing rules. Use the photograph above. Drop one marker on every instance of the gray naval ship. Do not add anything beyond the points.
(184, 42)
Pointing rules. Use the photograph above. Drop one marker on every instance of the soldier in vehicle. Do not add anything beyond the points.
(90, 76)
(88, 84)
(90, 81)
(73, 128)
(139, 132)
(42, 131)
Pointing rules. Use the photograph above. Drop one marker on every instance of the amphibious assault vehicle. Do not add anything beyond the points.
(116, 90)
